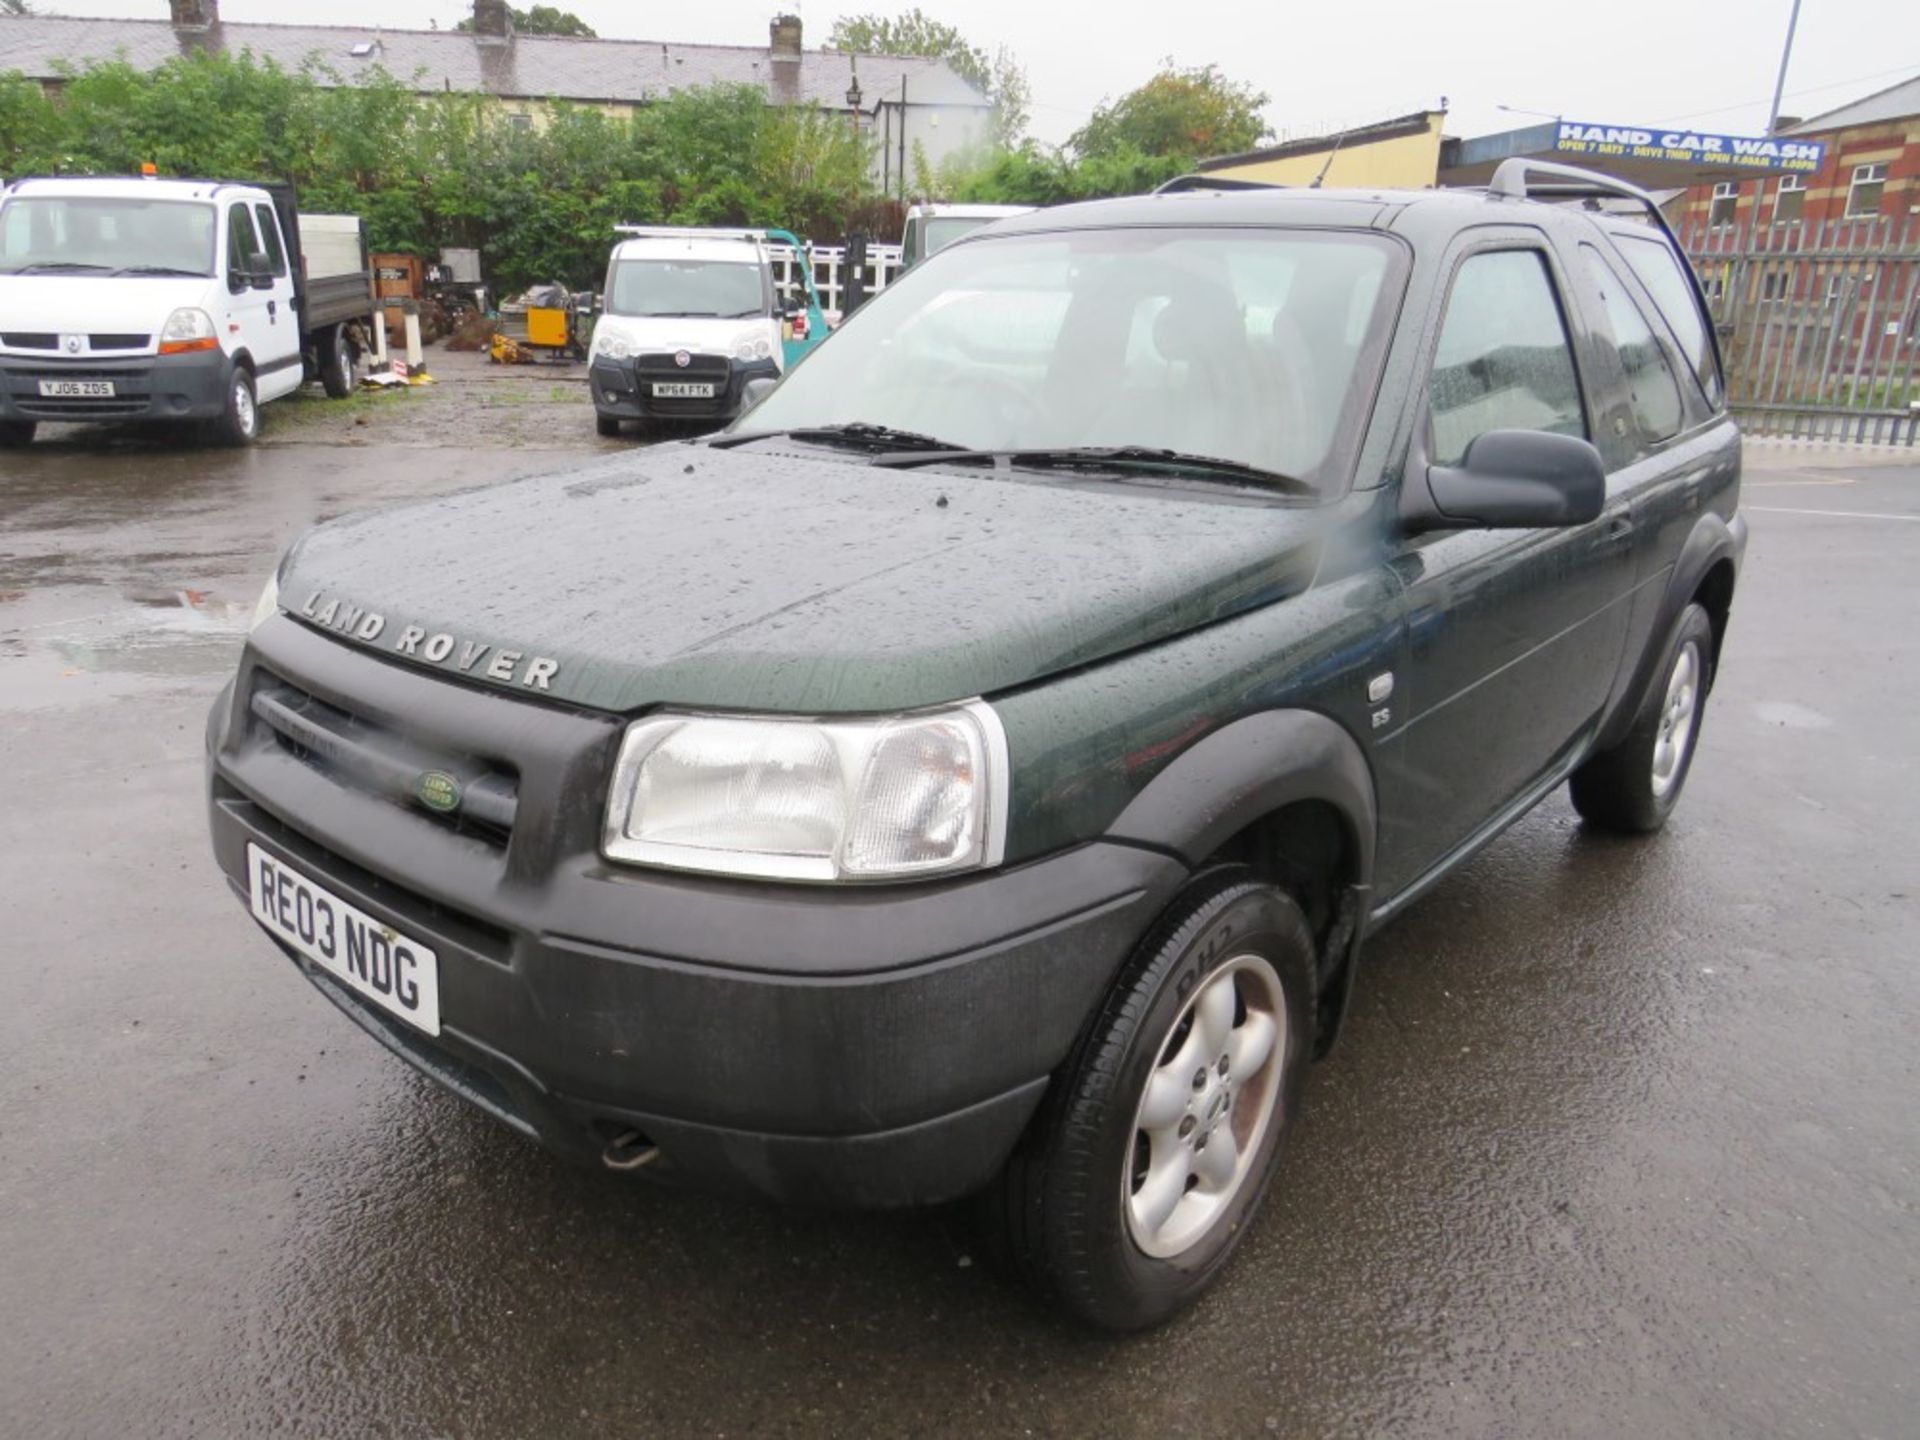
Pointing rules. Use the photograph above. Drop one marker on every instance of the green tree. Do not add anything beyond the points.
(1187, 114)
(539, 20)
(15, 7)
(914, 33)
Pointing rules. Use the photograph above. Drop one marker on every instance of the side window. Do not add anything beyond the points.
(270, 232)
(1650, 383)
(242, 239)
(1503, 361)
(1659, 270)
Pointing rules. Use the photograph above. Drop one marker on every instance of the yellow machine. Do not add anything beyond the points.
(546, 323)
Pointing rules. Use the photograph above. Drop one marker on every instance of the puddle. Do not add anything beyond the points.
(147, 634)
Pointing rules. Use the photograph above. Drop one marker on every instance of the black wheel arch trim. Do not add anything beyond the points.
(1254, 767)
(1714, 539)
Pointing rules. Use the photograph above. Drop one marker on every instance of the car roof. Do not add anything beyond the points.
(122, 187)
(1423, 214)
(969, 212)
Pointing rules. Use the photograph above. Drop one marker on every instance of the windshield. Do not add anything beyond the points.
(84, 233)
(706, 288)
(1256, 346)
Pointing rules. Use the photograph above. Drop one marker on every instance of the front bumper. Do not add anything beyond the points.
(851, 1046)
(623, 389)
(146, 387)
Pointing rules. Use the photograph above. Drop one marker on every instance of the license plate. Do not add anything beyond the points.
(77, 389)
(396, 972)
(681, 390)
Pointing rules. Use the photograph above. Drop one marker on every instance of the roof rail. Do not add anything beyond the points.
(1510, 182)
(687, 232)
(1202, 181)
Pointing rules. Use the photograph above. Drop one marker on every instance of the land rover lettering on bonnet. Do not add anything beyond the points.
(436, 647)
(976, 772)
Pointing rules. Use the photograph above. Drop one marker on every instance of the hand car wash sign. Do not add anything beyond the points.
(1688, 147)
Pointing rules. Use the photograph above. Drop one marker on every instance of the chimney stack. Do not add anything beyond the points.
(490, 18)
(196, 14)
(786, 38)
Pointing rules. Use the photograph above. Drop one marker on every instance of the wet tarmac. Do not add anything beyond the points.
(1621, 1139)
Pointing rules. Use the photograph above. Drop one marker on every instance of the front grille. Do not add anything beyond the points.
(29, 340)
(118, 342)
(462, 792)
(132, 391)
(698, 367)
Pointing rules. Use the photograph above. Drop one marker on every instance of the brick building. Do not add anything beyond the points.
(1871, 171)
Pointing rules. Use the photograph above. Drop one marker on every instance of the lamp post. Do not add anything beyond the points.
(1786, 57)
(853, 99)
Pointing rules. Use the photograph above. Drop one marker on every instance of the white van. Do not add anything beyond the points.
(191, 300)
(689, 316)
(931, 227)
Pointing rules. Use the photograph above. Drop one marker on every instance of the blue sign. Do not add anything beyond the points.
(1688, 147)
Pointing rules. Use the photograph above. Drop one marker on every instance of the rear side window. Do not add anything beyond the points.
(1659, 270)
(270, 232)
(1650, 384)
(1503, 361)
(242, 240)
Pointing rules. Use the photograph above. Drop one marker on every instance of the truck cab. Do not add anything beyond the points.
(689, 318)
(143, 300)
(153, 299)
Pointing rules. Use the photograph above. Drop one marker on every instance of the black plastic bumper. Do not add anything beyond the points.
(623, 389)
(162, 387)
(856, 1046)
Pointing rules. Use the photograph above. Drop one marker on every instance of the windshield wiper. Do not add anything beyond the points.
(160, 270)
(858, 434)
(45, 266)
(1107, 457)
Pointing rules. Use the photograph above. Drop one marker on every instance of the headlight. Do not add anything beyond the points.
(885, 799)
(611, 346)
(188, 329)
(752, 349)
(268, 604)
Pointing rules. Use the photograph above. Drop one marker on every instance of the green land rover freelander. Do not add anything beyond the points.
(975, 772)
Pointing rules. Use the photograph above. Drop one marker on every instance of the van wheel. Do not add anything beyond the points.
(1633, 787)
(606, 425)
(339, 365)
(16, 433)
(1156, 1143)
(239, 424)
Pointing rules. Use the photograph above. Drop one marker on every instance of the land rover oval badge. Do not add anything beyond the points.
(437, 790)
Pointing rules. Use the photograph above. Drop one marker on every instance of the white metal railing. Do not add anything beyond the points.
(830, 274)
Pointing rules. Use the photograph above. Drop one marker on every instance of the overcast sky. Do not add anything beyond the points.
(1704, 63)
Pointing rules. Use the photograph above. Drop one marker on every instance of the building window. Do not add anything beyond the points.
(520, 120)
(1773, 285)
(1788, 199)
(1726, 199)
(1863, 195)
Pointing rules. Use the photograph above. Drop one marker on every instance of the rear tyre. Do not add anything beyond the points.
(339, 365)
(606, 425)
(1633, 787)
(239, 423)
(1159, 1138)
(16, 433)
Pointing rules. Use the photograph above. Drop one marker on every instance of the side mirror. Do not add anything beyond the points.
(257, 272)
(1516, 480)
(756, 390)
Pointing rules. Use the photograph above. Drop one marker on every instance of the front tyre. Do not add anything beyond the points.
(1159, 1139)
(1633, 787)
(607, 426)
(239, 423)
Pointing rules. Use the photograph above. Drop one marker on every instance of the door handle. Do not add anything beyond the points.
(1618, 531)
(273, 310)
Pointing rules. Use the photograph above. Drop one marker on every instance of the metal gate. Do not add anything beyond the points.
(1819, 324)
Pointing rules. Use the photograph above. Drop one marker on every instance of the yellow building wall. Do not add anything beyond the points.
(1403, 162)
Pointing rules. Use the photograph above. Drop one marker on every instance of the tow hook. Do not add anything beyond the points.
(629, 1150)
